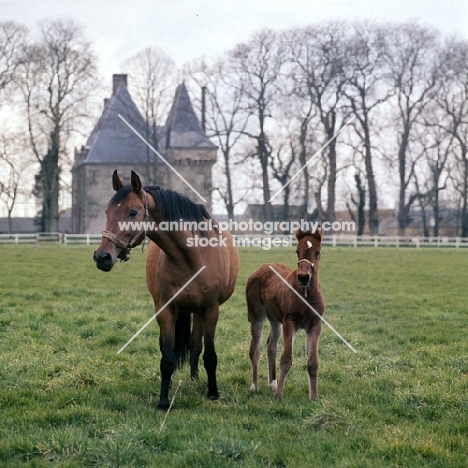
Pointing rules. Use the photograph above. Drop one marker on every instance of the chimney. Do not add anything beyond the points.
(116, 81)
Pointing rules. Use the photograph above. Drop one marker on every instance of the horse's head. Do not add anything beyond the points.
(125, 212)
(309, 245)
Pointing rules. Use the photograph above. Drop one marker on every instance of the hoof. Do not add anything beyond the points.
(273, 384)
(253, 388)
(163, 406)
(213, 396)
(278, 397)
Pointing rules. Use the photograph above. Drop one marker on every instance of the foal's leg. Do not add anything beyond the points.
(272, 350)
(313, 338)
(210, 360)
(195, 345)
(168, 361)
(289, 331)
(256, 329)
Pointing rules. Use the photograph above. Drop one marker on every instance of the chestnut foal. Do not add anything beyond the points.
(269, 297)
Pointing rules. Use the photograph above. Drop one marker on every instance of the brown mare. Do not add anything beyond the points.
(170, 263)
(269, 297)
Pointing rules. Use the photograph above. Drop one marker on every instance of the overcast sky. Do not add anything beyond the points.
(187, 29)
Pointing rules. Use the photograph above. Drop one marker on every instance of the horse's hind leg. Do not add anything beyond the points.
(289, 331)
(256, 329)
(195, 345)
(168, 359)
(272, 350)
(210, 359)
(313, 337)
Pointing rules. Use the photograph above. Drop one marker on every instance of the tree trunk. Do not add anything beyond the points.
(230, 198)
(50, 184)
(263, 155)
(402, 214)
(331, 215)
(464, 220)
(305, 172)
(436, 204)
(373, 209)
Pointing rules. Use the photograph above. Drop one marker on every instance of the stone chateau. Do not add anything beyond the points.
(113, 145)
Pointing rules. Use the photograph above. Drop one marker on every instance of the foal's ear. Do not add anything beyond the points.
(318, 234)
(116, 182)
(136, 183)
(300, 234)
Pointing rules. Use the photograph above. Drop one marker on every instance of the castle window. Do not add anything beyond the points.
(92, 177)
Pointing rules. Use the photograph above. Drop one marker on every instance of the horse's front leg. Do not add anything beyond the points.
(195, 345)
(166, 322)
(210, 360)
(272, 350)
(289, 331)
(312, 344)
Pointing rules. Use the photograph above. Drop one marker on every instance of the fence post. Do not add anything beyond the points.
(87, 239)
(417, 242)
(457, 242)
(376, 241)
(397, 241)
(334, 240)
(355, 241)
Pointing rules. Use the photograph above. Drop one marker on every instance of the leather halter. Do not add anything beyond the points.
(307, 261)
(128, 246)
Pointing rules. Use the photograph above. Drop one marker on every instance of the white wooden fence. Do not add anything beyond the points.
(342, 240)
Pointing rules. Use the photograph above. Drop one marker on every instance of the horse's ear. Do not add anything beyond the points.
(300, 234)
(136, 183)
(116, 182)
(318, 234)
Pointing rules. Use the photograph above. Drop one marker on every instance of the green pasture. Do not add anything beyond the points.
(68, 399)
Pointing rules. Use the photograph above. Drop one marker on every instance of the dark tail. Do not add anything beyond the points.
(182, 338)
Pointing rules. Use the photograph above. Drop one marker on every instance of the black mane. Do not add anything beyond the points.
(172, 205)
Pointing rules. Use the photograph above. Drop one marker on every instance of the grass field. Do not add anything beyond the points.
(68, 399)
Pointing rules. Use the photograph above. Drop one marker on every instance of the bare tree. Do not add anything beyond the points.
(57, 77)
(257, 66)
(12, 37)
(359, 203)
(366, 91)
(318, 57)
(438, 145)
(152, 83)
(452, 101)
(13, 168)
(411, 58)
(281, 165)
(224, 117)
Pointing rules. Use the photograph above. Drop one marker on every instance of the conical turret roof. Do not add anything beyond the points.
(183, 129)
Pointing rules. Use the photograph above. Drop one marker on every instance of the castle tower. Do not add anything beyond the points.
(188, 149)
(113, 145)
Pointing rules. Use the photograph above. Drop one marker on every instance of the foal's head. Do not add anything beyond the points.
(309, 245)
(129, 204)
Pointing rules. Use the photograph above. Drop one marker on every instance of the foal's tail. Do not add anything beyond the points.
(182, 338)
